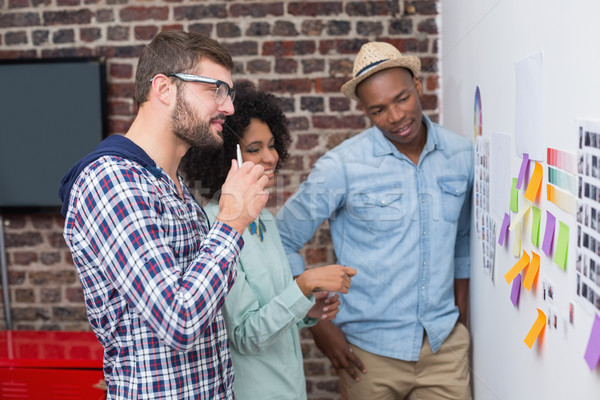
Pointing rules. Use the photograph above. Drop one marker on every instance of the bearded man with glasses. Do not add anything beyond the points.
(154, 274)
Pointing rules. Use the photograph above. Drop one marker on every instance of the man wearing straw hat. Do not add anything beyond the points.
(397, 198)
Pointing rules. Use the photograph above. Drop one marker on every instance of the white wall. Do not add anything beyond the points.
(480, 42)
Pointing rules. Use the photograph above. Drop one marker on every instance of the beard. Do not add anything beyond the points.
(188, 127)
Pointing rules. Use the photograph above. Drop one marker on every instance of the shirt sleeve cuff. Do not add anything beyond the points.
(462, 269)
(296, 263)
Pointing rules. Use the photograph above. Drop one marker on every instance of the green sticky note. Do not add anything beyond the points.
(514, 196)
(535, 226)
(562, 246)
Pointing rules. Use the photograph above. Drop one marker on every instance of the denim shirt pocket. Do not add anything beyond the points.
(452, 195)
(380, 208)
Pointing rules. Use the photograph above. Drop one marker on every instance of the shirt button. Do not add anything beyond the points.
(422, 200)
(424, 262)
(422, 287)
(424, 233)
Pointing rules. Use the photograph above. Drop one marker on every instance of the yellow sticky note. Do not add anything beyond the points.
(518, 219)
(562, 246)
(536, 329)
(514, 196)
(535, 226)
(517, 268)
(532, 271)
(518, 236)
(534, 183)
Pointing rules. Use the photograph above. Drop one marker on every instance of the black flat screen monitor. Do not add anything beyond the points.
(52, 113)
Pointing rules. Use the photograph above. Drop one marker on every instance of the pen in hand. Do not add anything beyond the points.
(239, 155)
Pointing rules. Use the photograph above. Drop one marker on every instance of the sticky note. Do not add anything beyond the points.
(503, 229)
(592, 351)
(519, 217)
(532, 270)
(549, 233)
(523, 170)
(516, 290)
(562, 245)
(518, 236)
(536, 329)
(517, 268)
(535, 182)
(514, 196)
(535, 226)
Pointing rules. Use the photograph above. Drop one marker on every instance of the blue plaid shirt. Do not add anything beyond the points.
(154, 278)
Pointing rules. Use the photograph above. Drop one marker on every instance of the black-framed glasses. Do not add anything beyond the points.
(223, 90)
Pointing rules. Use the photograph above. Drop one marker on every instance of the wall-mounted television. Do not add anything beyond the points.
(52, 113)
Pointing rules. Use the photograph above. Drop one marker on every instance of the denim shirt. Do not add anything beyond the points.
(404, 227)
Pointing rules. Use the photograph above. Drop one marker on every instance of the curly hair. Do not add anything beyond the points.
(205, 171)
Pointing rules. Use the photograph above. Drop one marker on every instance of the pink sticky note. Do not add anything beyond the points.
(515, 292)
(523, 170)
(504, 229)
(592, 352)
(549, 235)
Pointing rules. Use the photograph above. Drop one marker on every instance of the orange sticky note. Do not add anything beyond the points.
(536, 329)
(532, 271)
(517, 268)
(534, 183)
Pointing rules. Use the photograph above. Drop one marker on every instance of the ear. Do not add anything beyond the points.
(418, 86)
(163, 89)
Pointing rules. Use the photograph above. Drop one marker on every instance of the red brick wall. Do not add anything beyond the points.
(300, 51)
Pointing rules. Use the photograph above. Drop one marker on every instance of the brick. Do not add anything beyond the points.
(25, 257)
(429, 64)
(295, 163)
(341, 67)
(74, 295)
(312, 27)
(337, 28)
(286, 104)
(38, 3)
(119, 108)
(15, 221)
(367, 28)
(90, 34)
(258, 29)
(15, 38)
(50, 295)
(330, 386)
(313, 9)
(16, 277)
(299, 124)
(228, 30)
(286, 66)
(431, 83)
(121, 90)
(43, 221)
(286, 85)
(288, 48)
(117, 32)
(51, 277)
(56, 240)
(332, 122)
(67, 3)
(428, 26)
(23, 239)
(17, 4)
(24, 296)
(284, 28)
(205, 29)
(429, 102)
(329, 85)
(342, 46)
(258, 66)
(50, 257)
(69, 313)
(199, 12)
(422, 7)
(336, 139)
(118, 126)
(307, 141)
(256, 10)
(63, 36)
(402, 26)
(313, 65)
(174, 27)
(120, 51)
(19, 19)
(314, 368)
(372, 8)
(316, 255)
(410, 45)
(105, 15)
(78, 17)
(312, 104)
(121, 71)
(29, 313)
(339, 103)
(129, 14)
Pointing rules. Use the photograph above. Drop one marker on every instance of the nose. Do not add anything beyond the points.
(227, 107)
(395, 113)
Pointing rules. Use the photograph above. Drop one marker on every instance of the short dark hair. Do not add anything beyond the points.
(206, 170)
(175, 51)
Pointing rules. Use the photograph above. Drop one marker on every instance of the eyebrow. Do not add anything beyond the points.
(402, 93)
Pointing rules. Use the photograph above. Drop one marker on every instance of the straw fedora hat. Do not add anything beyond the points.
(374, 57)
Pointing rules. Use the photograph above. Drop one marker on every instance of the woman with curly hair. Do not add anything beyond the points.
(265, 307)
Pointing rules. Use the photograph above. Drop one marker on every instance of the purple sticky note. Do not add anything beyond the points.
(549, 235)
(592, 352)
(504, 229)
(523, 170)
(516, 290)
